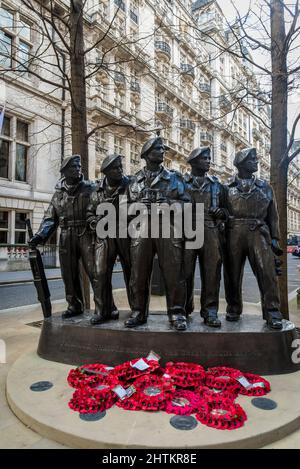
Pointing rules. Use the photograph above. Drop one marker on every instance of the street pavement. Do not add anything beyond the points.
(23, 293)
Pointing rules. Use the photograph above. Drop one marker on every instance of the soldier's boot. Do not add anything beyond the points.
(232, 317)
(137, 318)
(212, 319)
(178, 320)
(114, 314)
(274, 320)
(98, 318)
(73, 310)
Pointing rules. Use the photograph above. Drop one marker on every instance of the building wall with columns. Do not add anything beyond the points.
(151, 71)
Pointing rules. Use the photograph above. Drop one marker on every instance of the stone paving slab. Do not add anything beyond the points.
(48, 414)
(21, 338)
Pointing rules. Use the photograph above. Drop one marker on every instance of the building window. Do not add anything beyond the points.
(21, 151)
(134, 9)
(119, 146)
(5, 143)
(101, 143)
(120, 101)
(134, 154)
(5, 50)
(14, 146)
(15, 40)
(20, 227)
(3, 227)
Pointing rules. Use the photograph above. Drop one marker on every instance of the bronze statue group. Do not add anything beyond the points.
(240, 222)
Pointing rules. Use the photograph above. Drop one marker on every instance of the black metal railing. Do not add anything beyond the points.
(134, 17)
(206, 137)
(120, 4)
(135, 87)
(165, 108)
(204, 88)
(187, 124)
(163, 47)
(188, 69)
(120, 77)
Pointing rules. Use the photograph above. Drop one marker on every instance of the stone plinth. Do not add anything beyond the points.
(247, 345)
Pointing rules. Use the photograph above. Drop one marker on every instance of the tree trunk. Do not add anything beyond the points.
(78, 85)
(78, 104)
(279, 172)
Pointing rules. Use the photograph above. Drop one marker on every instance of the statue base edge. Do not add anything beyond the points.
(247, 345)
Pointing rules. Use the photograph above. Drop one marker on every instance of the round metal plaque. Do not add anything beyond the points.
(152, 391)
(264, 403)
(92, 417)
(40, 386)
(182, 422)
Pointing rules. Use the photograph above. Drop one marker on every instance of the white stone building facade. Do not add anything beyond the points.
(155, 72)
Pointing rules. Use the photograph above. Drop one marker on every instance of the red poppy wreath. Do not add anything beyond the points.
(152, 394)
(183, 403)
(88, 375)
(127, 372)
(93, 400)
(185, 375)
(221, 414)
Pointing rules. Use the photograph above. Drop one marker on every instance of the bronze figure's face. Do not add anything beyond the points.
(156, 155)
(114, 172)
(72, 172)
(202, 162)
(250, 164)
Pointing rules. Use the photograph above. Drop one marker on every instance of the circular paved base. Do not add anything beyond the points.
(47, 413)
(247, 344)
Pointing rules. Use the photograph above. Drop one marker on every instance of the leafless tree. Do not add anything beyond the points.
(271, 29)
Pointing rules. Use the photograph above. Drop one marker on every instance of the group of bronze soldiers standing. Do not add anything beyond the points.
(240, 222)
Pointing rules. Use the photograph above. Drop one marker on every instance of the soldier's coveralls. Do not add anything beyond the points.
(210, 192)
(67, 210)
(163, 187)
(107, 250)
(253, 224)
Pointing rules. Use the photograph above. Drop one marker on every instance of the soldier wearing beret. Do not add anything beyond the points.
(67, 210)
(253, 233)
(155, 184)
(206, 189)
(108, 190)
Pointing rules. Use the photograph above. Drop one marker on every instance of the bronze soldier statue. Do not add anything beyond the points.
(209, 191)
(109, 190)
(156, 184)
(67, 210)
(253, 233)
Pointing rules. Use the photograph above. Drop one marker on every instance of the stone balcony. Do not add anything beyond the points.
(188, 71)
(206, 137)
(164, 110)
(205, 88)
(224, 102)
(256, 134)
(120, 80)
(187, 125)
(163, 49)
